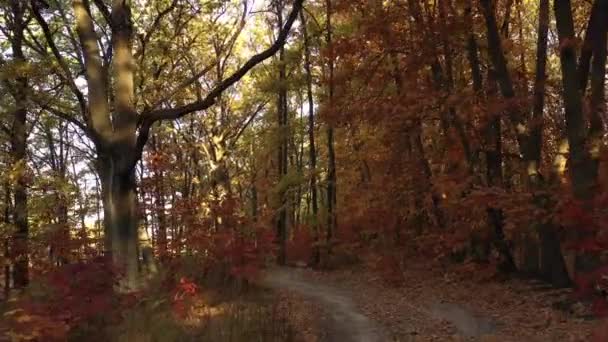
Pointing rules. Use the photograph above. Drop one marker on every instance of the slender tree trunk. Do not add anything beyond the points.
(536, 129)
(59, 246)
(530, 262)
(331, 167)
(283, 147)
(415, 132)
(495, 178)
(312, 153)
(598, 83)
(159, 195)
(472, 50)
(590, 42)
(6, 244)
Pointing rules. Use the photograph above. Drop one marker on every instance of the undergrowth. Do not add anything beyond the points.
(77, 303)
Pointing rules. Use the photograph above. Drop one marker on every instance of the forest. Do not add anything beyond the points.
(303, 170)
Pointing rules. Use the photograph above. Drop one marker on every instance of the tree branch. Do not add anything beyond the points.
(209, 100)
(5, 129)
(60, 114)
(103, 8)
(183, 85)
(48, 35)
(154, 27)
(246, 123)
(149, 118)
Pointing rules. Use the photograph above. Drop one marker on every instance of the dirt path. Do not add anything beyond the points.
(346, 322)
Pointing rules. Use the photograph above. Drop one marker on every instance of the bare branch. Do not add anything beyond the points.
(237, 33)
(154, 27)
(246, 124)
(183, 85)
(209, 100)
(103, 8)
(62, 115)
(68, 77)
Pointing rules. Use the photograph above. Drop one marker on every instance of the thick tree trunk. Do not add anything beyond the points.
(19, 153)
(552, 264)
(584, 144)
(583, 171)
(20, 219)
(120, 220)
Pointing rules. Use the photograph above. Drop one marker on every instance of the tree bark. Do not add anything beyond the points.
(120, 219)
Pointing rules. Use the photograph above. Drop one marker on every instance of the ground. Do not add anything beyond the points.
(432, 305)
(343, 320)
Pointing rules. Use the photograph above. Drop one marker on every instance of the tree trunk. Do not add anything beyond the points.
(120, 219)
(521, 126)
(583, 144)
(598, 82)
(331, 167)
(19, 152)
(159, 194)
(495, 178)
(530, 262)
(583, 171)
(312, 153)
(536, 129)
(283, 147)
(6, 243)
(415, 132)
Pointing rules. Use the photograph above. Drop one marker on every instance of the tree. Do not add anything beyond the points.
(17, 22)
(332, 219)
(312, 152)
(283, 150)
(118, 131)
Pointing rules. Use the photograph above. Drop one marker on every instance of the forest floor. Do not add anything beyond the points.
(431, 305)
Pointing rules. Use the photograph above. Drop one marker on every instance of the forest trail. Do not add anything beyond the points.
(355, 305)
(346, 322)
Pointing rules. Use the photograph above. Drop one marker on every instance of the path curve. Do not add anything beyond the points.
(347, 322)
